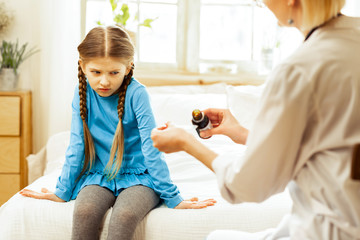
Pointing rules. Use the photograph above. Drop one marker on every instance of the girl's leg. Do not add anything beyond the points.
(90, 207)
(130, 207)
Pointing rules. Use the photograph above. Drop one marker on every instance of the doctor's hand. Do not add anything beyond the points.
(44, 194)
(225, 123)
(169, 138)
(194, 203)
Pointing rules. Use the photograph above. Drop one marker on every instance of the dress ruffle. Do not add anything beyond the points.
(126, 178)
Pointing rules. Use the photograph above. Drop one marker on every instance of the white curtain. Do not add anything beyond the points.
(53, 92)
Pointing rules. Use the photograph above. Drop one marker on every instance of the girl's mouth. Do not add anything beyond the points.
(104, 89)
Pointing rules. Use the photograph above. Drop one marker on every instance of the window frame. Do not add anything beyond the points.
(188, 52)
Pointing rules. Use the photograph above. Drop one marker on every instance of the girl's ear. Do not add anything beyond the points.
(129, 67)
(82, 65)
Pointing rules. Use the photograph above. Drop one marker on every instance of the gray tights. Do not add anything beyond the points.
(129, 208)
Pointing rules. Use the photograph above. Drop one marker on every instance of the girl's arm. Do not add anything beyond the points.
(73, 161)
(172, 139)
(74, 154)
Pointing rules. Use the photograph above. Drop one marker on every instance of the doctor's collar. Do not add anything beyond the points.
(316, 28)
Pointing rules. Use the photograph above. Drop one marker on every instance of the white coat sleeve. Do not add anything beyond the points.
(274, 142)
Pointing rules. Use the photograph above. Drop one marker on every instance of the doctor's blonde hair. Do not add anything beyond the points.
(114, 42)
(317, 12)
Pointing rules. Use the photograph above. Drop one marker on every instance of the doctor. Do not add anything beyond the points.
(304, 134)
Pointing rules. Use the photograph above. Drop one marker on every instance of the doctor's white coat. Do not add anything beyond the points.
(303, 137)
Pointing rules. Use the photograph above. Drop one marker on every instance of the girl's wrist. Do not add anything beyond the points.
(196, 149)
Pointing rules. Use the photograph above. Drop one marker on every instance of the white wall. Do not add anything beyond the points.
(26, 28)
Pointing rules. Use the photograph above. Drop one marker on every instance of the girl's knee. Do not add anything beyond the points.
(125, 216)
(85, 212)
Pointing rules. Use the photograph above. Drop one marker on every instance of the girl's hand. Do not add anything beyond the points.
(169, 138)
(45, 194)
(194, 203)
(225, 123)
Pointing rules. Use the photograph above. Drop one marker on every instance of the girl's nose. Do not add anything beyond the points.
(104, 81)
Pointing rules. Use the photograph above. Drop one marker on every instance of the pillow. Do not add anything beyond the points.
(55, 151)
(243, 103)
(177, 108)
(36, 165)
(219, 88)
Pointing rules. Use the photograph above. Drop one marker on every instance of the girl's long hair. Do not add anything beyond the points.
(105, 42)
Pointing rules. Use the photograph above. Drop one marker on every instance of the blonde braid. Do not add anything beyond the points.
(89, 144)
(118, 142)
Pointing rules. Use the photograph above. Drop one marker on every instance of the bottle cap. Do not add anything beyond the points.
(197, 115)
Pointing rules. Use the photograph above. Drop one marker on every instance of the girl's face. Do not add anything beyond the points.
(105, 74)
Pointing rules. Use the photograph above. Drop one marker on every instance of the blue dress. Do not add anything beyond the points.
(142, 163)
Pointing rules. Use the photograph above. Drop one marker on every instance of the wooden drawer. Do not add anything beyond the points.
(9, 154)
(9, 185)
(15, 141)
(10, 116)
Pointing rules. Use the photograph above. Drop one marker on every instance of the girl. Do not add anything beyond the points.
(304, 134)
(110, 161)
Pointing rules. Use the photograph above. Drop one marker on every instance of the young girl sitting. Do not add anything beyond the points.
(111, 161)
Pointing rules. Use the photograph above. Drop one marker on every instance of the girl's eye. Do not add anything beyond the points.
(96, 72)
(114, 73)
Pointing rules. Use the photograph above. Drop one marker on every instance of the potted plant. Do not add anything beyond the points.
(12, 55)
(121, 16)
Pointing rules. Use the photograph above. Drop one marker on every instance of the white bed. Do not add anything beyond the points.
(25, 218)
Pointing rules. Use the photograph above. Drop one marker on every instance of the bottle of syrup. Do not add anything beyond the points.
(200, 121)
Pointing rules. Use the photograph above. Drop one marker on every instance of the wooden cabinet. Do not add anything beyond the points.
(15, 141)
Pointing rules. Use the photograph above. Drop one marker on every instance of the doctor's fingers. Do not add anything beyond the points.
(215, 114)
(213, 131)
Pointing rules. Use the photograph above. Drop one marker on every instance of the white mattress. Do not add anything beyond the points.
(26, 218)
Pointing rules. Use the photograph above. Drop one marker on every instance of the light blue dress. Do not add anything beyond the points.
(142, 163)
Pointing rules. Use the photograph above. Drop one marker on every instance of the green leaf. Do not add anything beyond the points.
(126, 13)
(118, 19)
(123, 17)
(113, 4)
(147, 22)
(99, 23)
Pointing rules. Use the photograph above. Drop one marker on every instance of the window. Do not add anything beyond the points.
(201, 36)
